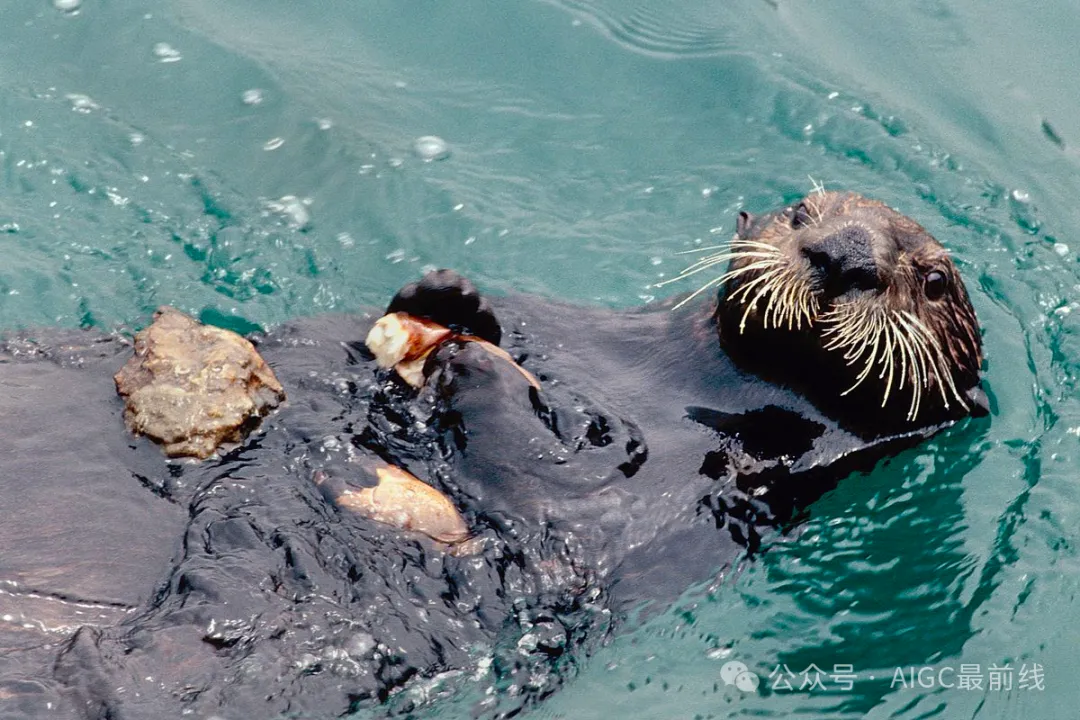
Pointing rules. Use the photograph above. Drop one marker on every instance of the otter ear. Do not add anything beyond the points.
(743, 223)
(978, 401)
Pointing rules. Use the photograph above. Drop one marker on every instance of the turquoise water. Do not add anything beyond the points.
(590, 142)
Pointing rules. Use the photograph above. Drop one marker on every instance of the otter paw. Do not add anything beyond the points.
(447, 298)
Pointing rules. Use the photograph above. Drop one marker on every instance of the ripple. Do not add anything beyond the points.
(662, 30)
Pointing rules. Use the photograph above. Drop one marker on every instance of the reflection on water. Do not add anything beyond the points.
(254, 162)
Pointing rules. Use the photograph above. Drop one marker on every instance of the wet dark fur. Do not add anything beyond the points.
(903, 255)
(652, 459)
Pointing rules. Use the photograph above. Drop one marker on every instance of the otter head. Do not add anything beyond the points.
(857, 306)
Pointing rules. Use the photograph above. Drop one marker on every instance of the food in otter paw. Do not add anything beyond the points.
(403, 342)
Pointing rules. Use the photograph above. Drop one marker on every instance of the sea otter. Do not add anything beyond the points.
(604, 459)
(842, 331)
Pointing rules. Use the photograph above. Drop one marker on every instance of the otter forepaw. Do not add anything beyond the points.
(447, 298)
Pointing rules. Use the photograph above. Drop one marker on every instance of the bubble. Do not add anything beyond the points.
(731, 670)
(68, 6)
(166, 53)
(254, 96)
(431, 147)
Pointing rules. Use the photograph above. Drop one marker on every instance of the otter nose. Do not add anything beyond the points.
(843, 261)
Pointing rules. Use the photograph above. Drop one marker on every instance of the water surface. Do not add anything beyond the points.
(252, 162)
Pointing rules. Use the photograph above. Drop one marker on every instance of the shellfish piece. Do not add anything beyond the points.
(404, 342)
(192, 387)
(402, 501)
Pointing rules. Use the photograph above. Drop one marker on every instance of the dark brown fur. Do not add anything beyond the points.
(897, 281)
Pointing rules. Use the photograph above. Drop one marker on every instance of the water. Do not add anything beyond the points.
(590, 139)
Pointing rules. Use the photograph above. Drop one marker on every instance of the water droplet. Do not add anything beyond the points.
(656, 260)
(68, 6)
(166, 53)
(254, 96)
(274, 143)
(1021, 196)
(431, 147)
(324, 123)
(1061, 249)
(136, 138)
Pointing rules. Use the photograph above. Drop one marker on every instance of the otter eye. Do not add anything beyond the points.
(934, 284)
(800, 216)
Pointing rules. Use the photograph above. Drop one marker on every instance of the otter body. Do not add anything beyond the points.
(648, 444)
(658, 448)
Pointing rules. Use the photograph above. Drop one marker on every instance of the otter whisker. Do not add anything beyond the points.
(905, 351)
(801, 304)
(757, 265)
(719, 258)
(867, 337)
(873, 328)
(707, 248)
(889, 352)
(767, 280)
(691, 296)
(731, 245)
(706, 263)
(935, 357)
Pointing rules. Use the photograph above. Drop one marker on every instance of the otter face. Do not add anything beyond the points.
(857, 303)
